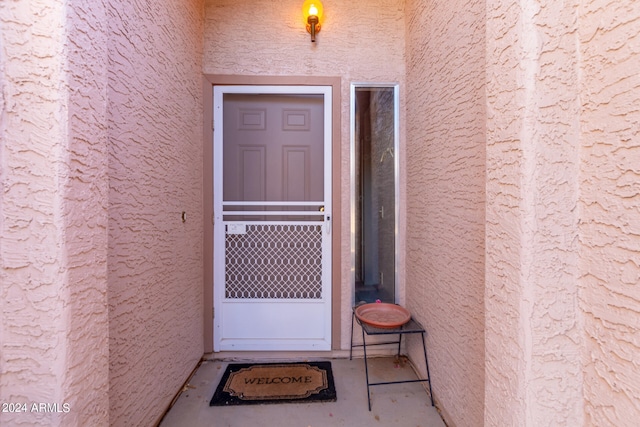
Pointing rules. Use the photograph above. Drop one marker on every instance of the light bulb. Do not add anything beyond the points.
(312, 8)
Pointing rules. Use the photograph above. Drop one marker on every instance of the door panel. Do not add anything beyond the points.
(272, 210)
(297, 173)
(250, 176)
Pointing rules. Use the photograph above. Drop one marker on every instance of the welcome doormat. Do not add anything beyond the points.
(249, 383)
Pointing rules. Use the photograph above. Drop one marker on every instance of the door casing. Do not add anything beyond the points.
(209, 81)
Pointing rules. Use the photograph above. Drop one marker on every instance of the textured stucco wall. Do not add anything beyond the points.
(53, 208)
(100, 126)
(155, 171)
(359, 42)
(445, 193)
(609, 37)
(534, 330)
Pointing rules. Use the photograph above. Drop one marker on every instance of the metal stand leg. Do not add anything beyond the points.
(426, 362)
(351, 348)
(366, 368)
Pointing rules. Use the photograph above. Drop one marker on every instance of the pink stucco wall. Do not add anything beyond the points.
(155, 173)
(100, 152)
(359, 42)
(53, 251)
(519, 150)
(562, 213)
(446, 200)
(609, 36)
(533, 329)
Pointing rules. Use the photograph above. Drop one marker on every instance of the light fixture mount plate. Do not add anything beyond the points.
(318, 26)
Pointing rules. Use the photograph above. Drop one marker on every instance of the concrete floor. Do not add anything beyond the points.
(396, 405)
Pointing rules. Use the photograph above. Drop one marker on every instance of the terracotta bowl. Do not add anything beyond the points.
(383, 315)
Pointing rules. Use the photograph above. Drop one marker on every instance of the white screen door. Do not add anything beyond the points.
(272, 218)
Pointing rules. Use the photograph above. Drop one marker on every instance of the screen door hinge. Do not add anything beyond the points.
(213, 218)
(213, 313)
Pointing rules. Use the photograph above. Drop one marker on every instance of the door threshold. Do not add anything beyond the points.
(277, 356)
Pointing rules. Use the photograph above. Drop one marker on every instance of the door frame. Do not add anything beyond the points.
(270, 326)
(208, 82)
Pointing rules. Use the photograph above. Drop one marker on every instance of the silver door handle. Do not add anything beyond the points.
(327, 224)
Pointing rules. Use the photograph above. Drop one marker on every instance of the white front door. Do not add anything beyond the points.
(272, 218)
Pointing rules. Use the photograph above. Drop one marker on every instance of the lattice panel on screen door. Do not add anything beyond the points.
(274, 261)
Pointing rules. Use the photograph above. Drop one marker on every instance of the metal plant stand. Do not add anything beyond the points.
(411, 327)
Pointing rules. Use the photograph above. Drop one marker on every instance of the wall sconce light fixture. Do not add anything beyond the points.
(312, 10)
